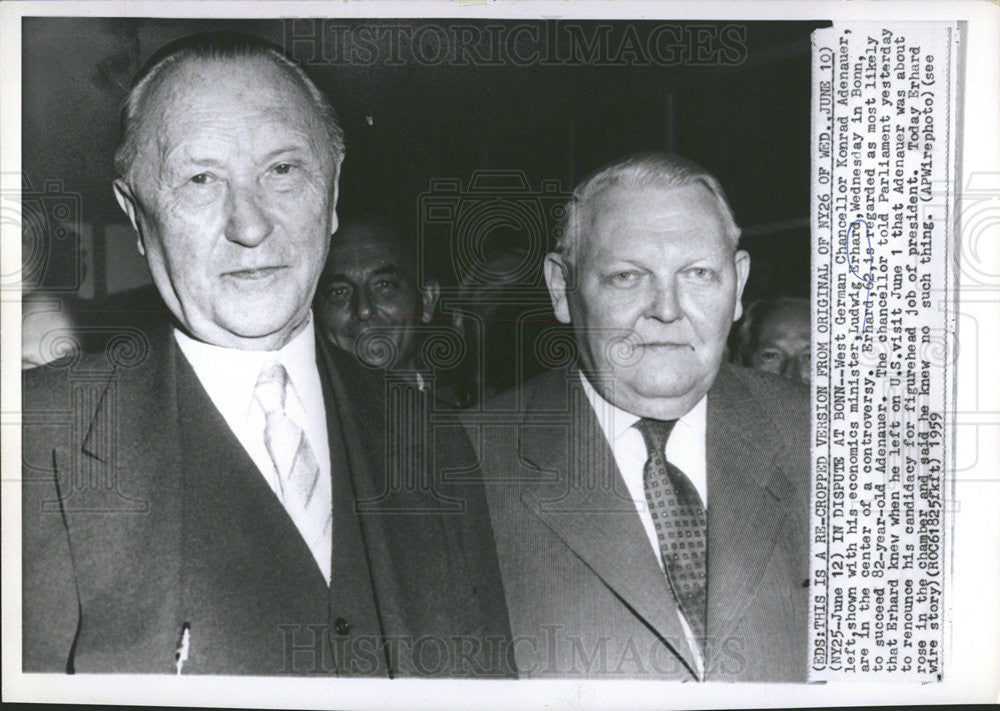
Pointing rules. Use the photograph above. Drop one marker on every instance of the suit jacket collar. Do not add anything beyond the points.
(735, 414)
(581, 495)
(748, 496)
(358, 411)
(141, 373)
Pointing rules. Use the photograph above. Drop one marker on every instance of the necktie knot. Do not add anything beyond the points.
(655, 434)
(272, 384)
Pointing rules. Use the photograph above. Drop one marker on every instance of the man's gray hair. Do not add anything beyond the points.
(216, 46)
(634, 171)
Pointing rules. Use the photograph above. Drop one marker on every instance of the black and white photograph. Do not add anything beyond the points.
(372, 354)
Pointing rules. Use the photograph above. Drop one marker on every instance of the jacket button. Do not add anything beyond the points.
(340, 626)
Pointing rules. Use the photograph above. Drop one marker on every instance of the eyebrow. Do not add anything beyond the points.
(279, 151)
(204, 162)
(191, 159)
(390, 269)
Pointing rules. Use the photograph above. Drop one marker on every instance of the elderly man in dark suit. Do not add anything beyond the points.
(225, 497)
(650, 505)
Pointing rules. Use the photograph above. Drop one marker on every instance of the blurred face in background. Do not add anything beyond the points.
(780, 342)
(652, 296)
(501, 322)
(233, 194)
(369, 302)
(48, 331)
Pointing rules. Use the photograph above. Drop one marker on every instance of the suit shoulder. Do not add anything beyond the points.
(781, 396)
(552, 382)
(48, 383)
(514, 401)
(41, 383)
(363, 382)
(784, 403)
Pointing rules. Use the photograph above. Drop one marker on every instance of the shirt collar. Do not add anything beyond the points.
(230, 374)
(615, 421)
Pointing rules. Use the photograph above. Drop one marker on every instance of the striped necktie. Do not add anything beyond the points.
(681, 526)
(304, 493)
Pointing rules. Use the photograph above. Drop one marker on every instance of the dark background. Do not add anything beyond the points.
(460, 147)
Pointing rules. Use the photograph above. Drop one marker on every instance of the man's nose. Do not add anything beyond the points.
(790, 367)
(247, 223)
(801, 371)
(361, 305)
(665, 305)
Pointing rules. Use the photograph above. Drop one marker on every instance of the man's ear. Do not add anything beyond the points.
(429, 295)
(557, 278)
(126, 199)
(741, 260)
(334, 221)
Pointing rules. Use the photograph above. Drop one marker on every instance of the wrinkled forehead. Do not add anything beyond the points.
(655, 212)
(195, 87)
(790, 319)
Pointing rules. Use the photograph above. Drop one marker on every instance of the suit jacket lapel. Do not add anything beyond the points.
(746, 503)
(581, 496)
(127, 478)
(104, 400)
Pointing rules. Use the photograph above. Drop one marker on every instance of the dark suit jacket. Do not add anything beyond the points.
(142, 513)
(586, 595)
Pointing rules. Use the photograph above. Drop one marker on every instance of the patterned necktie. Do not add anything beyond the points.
(681, 526)
(304, 493)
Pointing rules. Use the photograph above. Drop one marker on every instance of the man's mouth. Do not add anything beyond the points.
(254, 273)
(666, 345)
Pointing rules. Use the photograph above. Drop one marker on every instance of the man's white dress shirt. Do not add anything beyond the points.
(229, 376)
(685, 450)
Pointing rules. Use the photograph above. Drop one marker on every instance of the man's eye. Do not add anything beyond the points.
(770, 356)
(338, 293)
(623, 279)
(284, 168)
(701, 273)
(386, 285)
(201, 178)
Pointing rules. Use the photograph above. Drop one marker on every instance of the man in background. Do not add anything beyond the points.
(501, 319)
(370, 302)
(775, 337)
